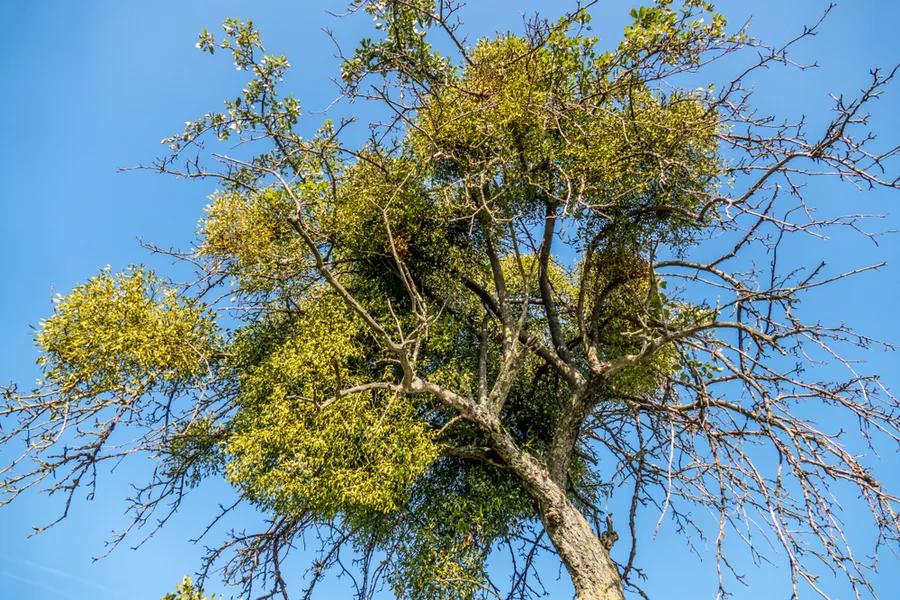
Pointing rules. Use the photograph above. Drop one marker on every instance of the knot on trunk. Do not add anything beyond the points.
(554, 515)
(609, 537)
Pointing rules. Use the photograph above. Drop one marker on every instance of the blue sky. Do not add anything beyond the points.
(93, 86)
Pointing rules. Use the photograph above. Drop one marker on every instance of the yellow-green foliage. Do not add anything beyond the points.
(187, 591)
(624, 284)
(521, 274)
(646, 148)
(494, 147)
(452, 344)
(453, 347)
(192, 451)
(498, 99)
(523, 114)
(361, 452)
(646, 379)
(385, 208)
(249, 236)
(125, 332)
(372, 196)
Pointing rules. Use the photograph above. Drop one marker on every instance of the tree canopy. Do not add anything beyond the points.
(546, 282)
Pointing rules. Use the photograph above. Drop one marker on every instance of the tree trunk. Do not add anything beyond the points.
(592, 570)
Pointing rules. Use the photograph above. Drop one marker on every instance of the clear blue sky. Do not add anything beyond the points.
(92, 86)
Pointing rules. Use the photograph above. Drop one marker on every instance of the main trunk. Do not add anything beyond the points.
(592, 570)
(587, 560)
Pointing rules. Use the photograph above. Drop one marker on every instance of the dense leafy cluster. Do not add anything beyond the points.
(360, 454)
(126, 333)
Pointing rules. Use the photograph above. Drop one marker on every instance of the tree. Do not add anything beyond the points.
(549, 277)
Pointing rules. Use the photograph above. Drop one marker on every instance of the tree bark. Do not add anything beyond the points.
(593, 572)
(587, 560)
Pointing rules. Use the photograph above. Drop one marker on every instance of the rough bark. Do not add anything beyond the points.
(586, 559)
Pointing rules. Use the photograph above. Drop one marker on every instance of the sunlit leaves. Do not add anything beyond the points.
(259, 108)
(561, 123)
(403, 50)
(359, 452)
(676, 36)
(125, 332)
(248, 236)
(186, 590)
